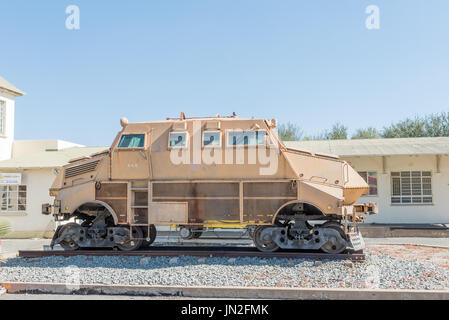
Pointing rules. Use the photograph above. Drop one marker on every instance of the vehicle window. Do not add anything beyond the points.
(246, 138)
(132, 141)
(212, 139)
(178, 139)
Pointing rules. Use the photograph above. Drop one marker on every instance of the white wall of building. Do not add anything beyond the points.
(6, 140)
(38, 182)
(438, 212)
(25, 147)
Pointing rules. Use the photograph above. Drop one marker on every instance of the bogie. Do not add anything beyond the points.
(99, 232)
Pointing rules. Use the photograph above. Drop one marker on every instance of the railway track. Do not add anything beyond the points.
(173, 251)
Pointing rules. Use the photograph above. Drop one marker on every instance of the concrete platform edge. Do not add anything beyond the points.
(227, 292)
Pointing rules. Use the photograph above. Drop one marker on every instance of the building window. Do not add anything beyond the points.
(13, 198)
(246, 138)
(411, 187)
(2, 118)
(370, 178)
(178, 140)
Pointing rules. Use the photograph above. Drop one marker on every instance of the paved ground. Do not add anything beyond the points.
(439, 242)
(9, 247)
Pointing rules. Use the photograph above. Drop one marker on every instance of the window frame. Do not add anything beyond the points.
(411, 195)
(2, 119)
(212, 146)
(18, 204)
(186, 146)
(228, 145)
(133, 148)
(377, 182)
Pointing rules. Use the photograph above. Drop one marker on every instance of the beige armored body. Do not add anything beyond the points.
(203, 173)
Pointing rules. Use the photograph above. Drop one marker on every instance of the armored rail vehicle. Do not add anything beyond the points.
(197, 174)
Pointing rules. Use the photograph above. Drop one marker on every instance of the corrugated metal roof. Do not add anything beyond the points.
(375, 147)
(10, 87)
(49, 159)
(342, 148)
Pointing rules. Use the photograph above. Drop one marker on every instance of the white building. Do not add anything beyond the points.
(27, 170)
(8, 94)
(408, 177)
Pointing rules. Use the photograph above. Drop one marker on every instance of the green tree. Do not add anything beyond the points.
(290, 132)
(408, 128)
(368, 133)
(437, 125)
(338, 132)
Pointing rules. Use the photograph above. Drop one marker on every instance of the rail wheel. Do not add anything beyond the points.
(133, 243)
(149, 237)
(69, 245)
(334, 245)
(196, 234)
(189, 233)
(263, 240)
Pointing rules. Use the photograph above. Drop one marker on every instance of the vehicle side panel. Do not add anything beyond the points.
(116, 195)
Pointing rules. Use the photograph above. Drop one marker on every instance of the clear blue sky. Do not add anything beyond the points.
(310, 62)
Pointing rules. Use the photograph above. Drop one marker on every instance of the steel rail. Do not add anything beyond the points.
(171, 251)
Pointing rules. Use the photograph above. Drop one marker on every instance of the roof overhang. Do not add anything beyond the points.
(12, 92)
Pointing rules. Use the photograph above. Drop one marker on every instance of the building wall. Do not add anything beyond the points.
(26, 147)
(38, 182)
(7, 140)
(438, 212)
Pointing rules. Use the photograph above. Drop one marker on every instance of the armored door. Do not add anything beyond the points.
(130, 157)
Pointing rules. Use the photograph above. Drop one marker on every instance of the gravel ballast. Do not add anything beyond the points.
(379, 271)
